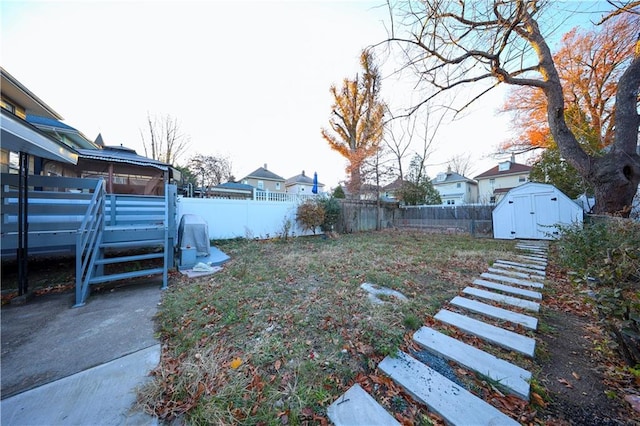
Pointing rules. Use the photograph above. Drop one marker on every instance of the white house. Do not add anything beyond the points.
(455, 189)
(497, 181)
(301, 184)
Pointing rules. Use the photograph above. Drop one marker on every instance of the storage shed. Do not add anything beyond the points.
(532, 211)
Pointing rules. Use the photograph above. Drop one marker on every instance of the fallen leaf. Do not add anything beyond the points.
(237, 362)
(576, 375)
(537, 399)
(278, 364)
(566, 383)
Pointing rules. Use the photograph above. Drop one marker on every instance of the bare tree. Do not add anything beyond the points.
(455, 45)
(164, 140)
(398, 140)
(210, 170)
(461, 164)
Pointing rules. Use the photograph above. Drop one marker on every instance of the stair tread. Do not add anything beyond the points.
(495, 312)
(496, 335)
(137, 243)
(454, 403)
(508, 289)
(509, 376)
(125, 275)
(122, 259)
(502, 298)
(357, 407)
(512, 280)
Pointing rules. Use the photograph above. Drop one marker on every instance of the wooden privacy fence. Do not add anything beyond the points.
(360, 215)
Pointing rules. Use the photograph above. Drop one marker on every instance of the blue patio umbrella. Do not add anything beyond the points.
(315, 183)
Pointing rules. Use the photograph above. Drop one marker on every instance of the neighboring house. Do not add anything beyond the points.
(497, 181)
(16, 102)
(455, 189)
(301, 184)
(123, 170)
(264, 179)
(231, 190)
(390, 192)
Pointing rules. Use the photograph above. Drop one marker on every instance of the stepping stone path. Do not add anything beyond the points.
(507, 283)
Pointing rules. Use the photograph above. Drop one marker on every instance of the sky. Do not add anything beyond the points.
(248, 80)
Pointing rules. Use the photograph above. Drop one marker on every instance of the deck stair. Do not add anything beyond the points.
(451, 401)
(136, 236)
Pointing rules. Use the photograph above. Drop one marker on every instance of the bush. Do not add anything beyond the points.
(331, 213)
(606, 249)
(310, 215)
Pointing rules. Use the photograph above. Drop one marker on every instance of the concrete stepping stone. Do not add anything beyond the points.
(510, 377)
(495, 312)
(375, 291)
(357, 407)
(511, 280)
(509, 289)
(515, 274)
(524, 265)
(455, 404)
(502, 298)
(496, 335)
(529, 260)
(540, 272)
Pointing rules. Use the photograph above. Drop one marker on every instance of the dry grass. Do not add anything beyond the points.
(293, 313)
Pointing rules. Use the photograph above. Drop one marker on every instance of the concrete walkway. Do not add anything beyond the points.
(441, 395)
(79, 366)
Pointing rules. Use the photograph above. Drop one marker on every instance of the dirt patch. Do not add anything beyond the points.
(579, 370)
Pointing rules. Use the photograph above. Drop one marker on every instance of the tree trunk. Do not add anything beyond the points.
(615, 178)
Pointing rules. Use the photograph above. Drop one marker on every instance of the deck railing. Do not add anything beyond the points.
(88, 239)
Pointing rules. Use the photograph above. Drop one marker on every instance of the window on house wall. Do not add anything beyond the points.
(451, 202)
(260, 184)
(492, 182)
(8, 106)
(278, 186)
(492, 200)
(458, 185)
(522, 179)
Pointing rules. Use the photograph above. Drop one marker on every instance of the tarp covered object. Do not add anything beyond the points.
(194, 232)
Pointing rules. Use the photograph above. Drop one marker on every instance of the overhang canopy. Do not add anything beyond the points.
(19, 136)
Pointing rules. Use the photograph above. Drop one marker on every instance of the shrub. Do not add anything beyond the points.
(331, 212)
(310, 215)
(606, 249)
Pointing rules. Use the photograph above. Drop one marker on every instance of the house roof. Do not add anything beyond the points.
(58, 127)
(396, 184)
(235, 185)
(121, 155)
(263, 173)
(301, 179)
(19, 94)
(451, 177)
(514, 168)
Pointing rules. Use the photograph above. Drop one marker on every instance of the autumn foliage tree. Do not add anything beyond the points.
(477, 45)
(589, 65)
(356, 123)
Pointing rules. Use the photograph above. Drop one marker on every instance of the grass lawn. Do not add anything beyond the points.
(284, 329)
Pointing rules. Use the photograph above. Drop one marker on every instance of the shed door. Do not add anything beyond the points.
(547, 214)
(523, 215)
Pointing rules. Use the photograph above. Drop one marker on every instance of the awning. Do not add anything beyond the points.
(19, 136)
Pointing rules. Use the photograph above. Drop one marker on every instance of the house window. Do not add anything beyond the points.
(458, 185)
(492, 200)
(278, 186)
(492, 182)
(451, 202)
(8, 106)
(260, 184)
(522, 179)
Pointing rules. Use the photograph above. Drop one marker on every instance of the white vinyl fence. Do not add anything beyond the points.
(243, 218)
